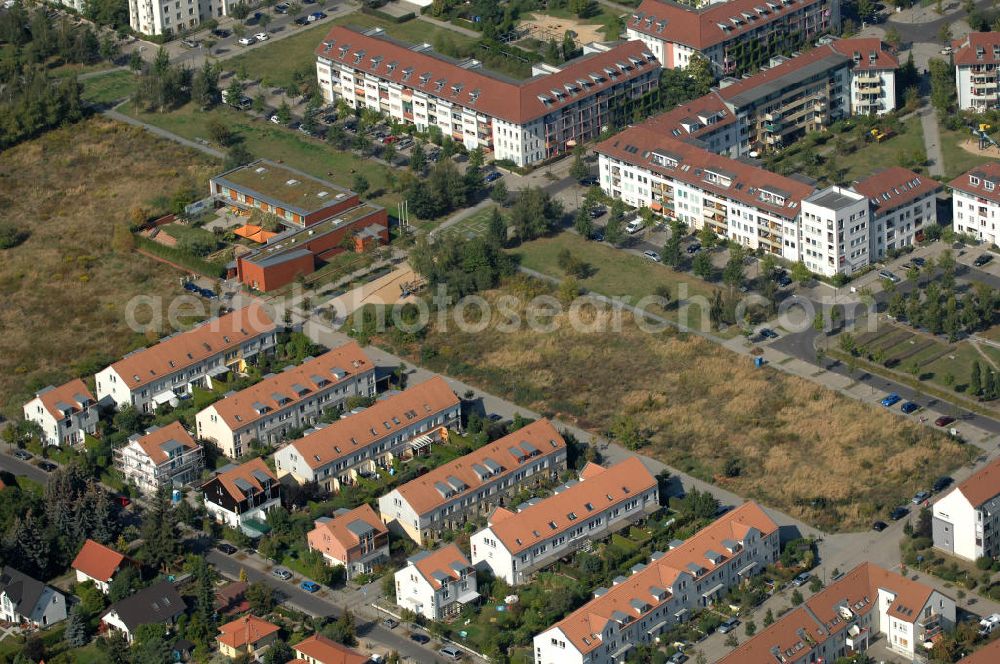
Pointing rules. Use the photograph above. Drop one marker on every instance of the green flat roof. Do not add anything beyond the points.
(292, 240)
(283, 186)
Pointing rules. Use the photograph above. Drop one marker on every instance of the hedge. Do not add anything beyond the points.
(181, 258)
(403, 18)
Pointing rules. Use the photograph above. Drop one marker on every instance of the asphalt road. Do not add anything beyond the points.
(17, 467)
(316, 605)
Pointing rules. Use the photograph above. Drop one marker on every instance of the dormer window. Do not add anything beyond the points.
(973, 180)
(439, 84)
(988, 185)
(424, 78)
(407, 73)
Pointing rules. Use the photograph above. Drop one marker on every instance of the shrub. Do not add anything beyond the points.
(11, 235)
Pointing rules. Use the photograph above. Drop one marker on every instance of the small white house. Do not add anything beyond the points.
(98, 563)
(436, 584)
(64, 413)
(27, 601)
(159, 604)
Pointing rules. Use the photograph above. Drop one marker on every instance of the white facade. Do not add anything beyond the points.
(973, 213)
(976, 86)
(157, 17)
(835, 231)
(873, 92)
(438, 589)
(182, 466)
(965, 530)
(24, 600)
(237, 519)
(64, 415)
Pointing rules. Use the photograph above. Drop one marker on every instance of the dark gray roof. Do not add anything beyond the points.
(156, 604)
(795, 77)
(279, 258)
(22, 590)
(359, 527)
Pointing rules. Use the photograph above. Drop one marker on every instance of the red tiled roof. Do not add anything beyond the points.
(422, 493)
(182, 350)
(700, 28)
(244, 472)
(335, 366)
(988, 172)
(686, 120)
(893, 187)
(863, 48)
(338, 528)
(635, 146)
(516, 102)
(983, 485)
(152, 442)
(98, 561)
(68, 394)
(244, 631)
(966, 49)
(988, 654)
(440, 560)
(326, 651)
(600, 490)
(384, 418)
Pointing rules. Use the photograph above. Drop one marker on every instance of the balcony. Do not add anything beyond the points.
(772, 126)
(869, 78)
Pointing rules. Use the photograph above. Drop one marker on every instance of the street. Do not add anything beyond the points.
(17, 468)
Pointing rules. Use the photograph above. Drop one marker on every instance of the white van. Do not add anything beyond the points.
(989, 624)
(634, 226)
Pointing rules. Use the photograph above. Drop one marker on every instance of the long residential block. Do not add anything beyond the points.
(162, 456)
(397, 426)
(160, 373)
(446, 497)
(691, 575)
(65, 413)
(286, 401)
(844, 618)
(525, 122)
(966, 521)
(516, 544)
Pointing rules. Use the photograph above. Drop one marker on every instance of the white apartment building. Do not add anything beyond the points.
(835, 231)
(966, 521)
(446, 497)
(637, 609)
(977, 56)
(524, 122)
(975, 201)
(65, 413)
(515, 545)
(162, 456)
(844, 618)
(397, 426)
(166, 17)
(241, 496)
(901, 204)
(436, 584)
(873, 75)
(289, 400)
(159, 374)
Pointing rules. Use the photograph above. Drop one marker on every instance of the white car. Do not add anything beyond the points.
(247, 41)
(947, 50)
(275, 119)
(261, 36)
(652, 255)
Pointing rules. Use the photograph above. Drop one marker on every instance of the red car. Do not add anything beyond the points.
(944, 421)
(389, 139)
(123, 501)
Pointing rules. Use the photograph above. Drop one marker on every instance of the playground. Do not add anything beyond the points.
(981, 143)
(544, 27)
(396, 287)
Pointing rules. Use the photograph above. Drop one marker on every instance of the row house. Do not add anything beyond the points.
(66, 414)
(736, 36)
(159, 374)
(966, 521)
(975, 201)
(161, 457)
(976, 58)
(448, 496)
(241, 496)
(436, 584)
(515, 545)
(525, 122)
(292, 399)
(355, 539)
(656, 597)
(318, 649)
(843, 619)
(397, 427)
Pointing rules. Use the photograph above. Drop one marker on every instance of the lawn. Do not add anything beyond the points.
(876, 156)
(109, 88)
(276, 63)
(956, 159)
(470, 227)
(831, 461)
(65, 288)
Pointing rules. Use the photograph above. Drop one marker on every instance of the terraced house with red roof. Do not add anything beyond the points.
(516, 544)
(241, 496)
(436, 584)
(847, 616)
(287, 401)
(735, 36)
(448, 496)
(966, 520)
(522, 121)
(160, 373)
(355, 539)
(65, 413)
(162, 456)
(636, 609)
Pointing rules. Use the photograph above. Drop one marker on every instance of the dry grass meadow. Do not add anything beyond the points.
(65, 288)
(826, 459)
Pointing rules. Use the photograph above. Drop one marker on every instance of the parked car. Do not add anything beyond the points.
(633, 226)
(678, 658)
(389, 623)
(316, 16)
(885, 274)
(262, 36)
(652, 255)
(768, 333)
(891, 400)
(282, 573)
(191, 286)
(784, 280)
(921, 497)
(221, 33)
(597, 212)
(801, 580)
(422, 639)
(589, 181)
(493, 177)
(207, 293)
(946, 50)
(694, 248)
(227, 548)
(943, 421)
(910, 407)
(989, 624)
(244, 103)
(728, 625)
(47, 466)
(941, 483)
(309, 586)
(982, 260)
(23, 455)
(389, 140)
(451, 652)
(190, 43)
(302, 20)
(879, 526)
(247, 41)
(919, 262)
(275, 119)
(898, 513)
(281, 8)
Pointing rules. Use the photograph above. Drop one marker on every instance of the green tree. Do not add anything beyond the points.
(260, 597)
(707, 237)
(800, 273)
(975, 380)
(672, 247)
(614, 231)
(496, 228)
(583, 223)
(499, 193)
(768, 618)
(418, 158)
(77, 632)
(284, 113)
(579, 169)
(797, 598)
(702, 265)
(535, 213)
(360, 184)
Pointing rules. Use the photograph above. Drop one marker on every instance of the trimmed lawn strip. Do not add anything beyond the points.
(108, 88)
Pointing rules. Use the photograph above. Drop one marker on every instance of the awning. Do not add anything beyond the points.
(657, 628)
(218, 371)
(164, 397)
(255, 528)
(714, 589)
(681, 615)
(468, 596)
(421, 443)
(655, 207)
(748, 568)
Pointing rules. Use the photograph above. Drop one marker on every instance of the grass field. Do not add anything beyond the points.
(829, 460)
(956, 159)
(874, 156)
(65, 288)
(109, 88)
(472, 226)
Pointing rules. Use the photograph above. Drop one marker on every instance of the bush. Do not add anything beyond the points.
(11, 235)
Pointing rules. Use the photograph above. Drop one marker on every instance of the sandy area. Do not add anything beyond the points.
(384, 290)
(972, 145)
(544, 27)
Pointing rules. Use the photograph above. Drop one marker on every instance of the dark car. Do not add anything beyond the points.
(422, 639)
(944, 421)
(899, 512)
(316, 16)
(495, 417)
(768, 333)
(784, 280)
(389, 623)
(982, 260)
(597, 212)
(919, 262)
(226, 548)
(23, 455)
(941, 483)
(493, 177)
(47, 466)
(207, 293)
(589, 181)
(302, 20)
(728, 625)
(678, 658)
(909, 407)
(694, 248)
(879, 526)
(221, 33)
(191, 286)
(281, 8)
